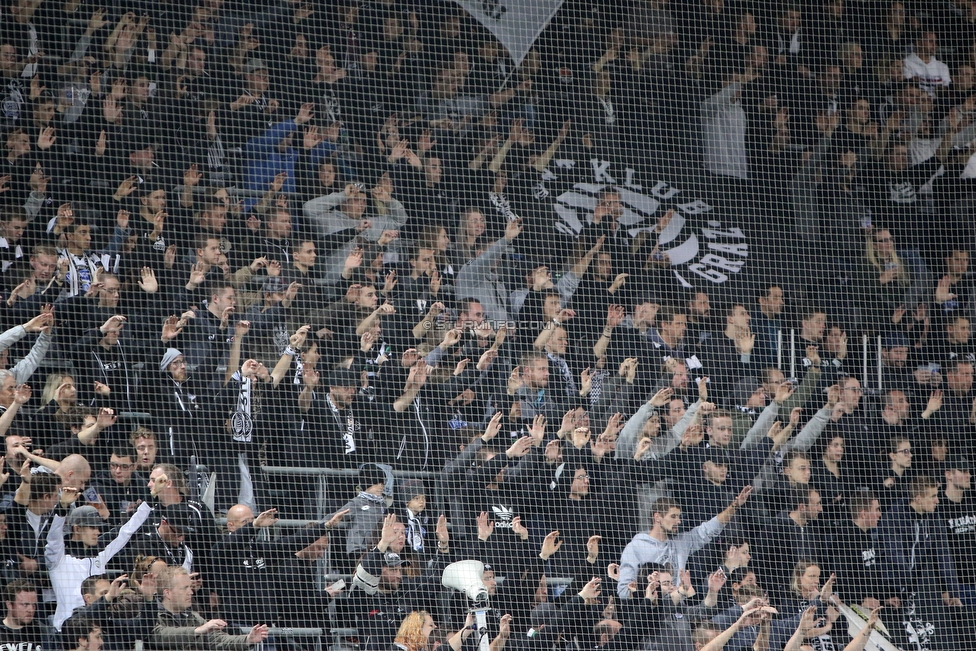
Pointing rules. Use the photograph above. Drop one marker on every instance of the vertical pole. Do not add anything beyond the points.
(779, 349)
(792, 352)
(864, 360)
(879, 363)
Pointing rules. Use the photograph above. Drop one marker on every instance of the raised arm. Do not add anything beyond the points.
(295, 343)
(719, 641)
(42, 323)
(234, 361)
(22, 394)
(415, 382)
(125, 533)
(726, 516)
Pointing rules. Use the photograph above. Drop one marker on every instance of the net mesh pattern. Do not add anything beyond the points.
(648, 319)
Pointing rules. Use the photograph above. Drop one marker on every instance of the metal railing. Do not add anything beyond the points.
(322, 476)
(871, 362)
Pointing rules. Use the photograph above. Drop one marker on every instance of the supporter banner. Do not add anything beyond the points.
(855, 623)
(706, 245)
(516, 23)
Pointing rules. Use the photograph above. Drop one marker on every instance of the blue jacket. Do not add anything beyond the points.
(264, 160)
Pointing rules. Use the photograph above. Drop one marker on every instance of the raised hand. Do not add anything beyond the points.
(485, 528)
(614, 424)
(459, 369)
(494, 426)
(297, 340)
(783, 392)
(514, 381)
(486, 359)
(441, 532)
(505, 626)
(586, 381)
(312, 138)
(513, 229)
(198, 274)
(305, 113)
(703, 389)
(266, 519)
(743, 495)
(593, 547)
(662, 397)
(716, 580)
(520, 448)
(550, 544)
(592, 589)
(46, 138)
(942, 290)
(537, 430)
(828, 589)
(451, 337)
(417, 376)
(628, 369)
(615, 315)
(172, 327)
(519, 529)
(22, 394)
(192, 175)
(147, 281)
(39, 322)
(643, 447)
(212, 625)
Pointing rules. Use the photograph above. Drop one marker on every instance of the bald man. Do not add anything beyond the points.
(74, 471)
(238, 516)
(243, 565)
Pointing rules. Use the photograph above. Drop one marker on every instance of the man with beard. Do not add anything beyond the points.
(340, 435)
(767, 324)
(895, 349)
(19, 630)
(957, 510)
(921, 568)
(859, 555)
(663, 544)
(382, 597)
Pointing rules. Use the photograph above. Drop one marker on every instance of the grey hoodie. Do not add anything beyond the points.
(326, 216)
(674, 551)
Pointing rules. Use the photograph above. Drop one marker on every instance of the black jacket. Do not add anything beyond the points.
(243, 573)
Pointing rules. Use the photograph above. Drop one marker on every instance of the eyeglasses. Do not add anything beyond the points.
(121, 466)
(906, 451)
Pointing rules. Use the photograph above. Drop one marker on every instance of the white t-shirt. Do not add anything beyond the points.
(929, 75)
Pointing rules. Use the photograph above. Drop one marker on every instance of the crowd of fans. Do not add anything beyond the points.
(245, 241)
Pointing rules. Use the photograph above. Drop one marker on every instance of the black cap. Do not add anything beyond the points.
(343, 377)
(370, 474)
(410, 489)
(957, 462)
(718, 456)
(392, 560)
(895, 340)
(743, 389)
